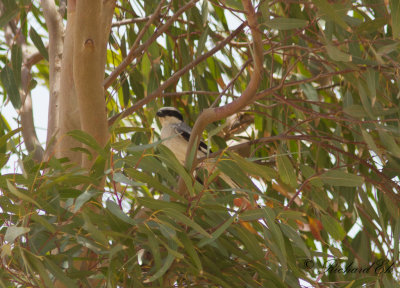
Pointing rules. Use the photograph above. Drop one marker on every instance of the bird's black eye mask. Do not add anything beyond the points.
(171, 113)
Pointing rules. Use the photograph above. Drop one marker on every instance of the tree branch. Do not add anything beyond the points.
(130, 21)
(31, 140)
(92, 28)
(175, 77)
(214, 114)
(136, 51)
(56, 28)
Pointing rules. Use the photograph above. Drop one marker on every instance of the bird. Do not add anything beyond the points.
(175, 134)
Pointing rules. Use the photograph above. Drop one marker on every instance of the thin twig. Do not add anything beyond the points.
(175, 77)
(136, 51)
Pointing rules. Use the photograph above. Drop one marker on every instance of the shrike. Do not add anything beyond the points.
(176, 134)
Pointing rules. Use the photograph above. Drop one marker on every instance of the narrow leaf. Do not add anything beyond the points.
(59, 274)
(186, 220)
(395, 14)
(167, 263)
(13, 232)
(217, 232)
(11, 87)
(117, 212)
(336, 55)
(4, 138)
(11, 10)
(155, 205)
(281, 23)
(37, 41)
(88, 140)
(286, 170)
(190, 249)
(341, 178)
(20, 194)
(16, 61)
(333, 227)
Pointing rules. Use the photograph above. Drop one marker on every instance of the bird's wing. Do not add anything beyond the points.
(185, 130)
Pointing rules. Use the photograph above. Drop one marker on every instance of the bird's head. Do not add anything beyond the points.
(169, 115)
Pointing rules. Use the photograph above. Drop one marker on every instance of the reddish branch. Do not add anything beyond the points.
(248, 96)
(175, 77)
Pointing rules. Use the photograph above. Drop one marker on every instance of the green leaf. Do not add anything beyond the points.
(281, 23)
(167, 263)
(83, 198)
(389, 143)
(136, 148)
(40, 219)
(296, 239)
(365, 100)
(253, 214)
(170, 160)
(4, 159)
(191, 250)
(21, 195)
(333, 227)
(117, 212)
(396, 239)
(152, 182)
(286, 170)
(4, 138)
(252, 168)
(11, 87)
(336, 55)
(59, 274)
(356, 111)
(250, 242)
(341, 178)
(94, 231)
(371, 143)
(395, 15)
(88, 140)
(185, 220)
(37, 41)
(38, 265)
(330, 12)
(202, 41)
(156, 205)
(16, 61)
(276, 232)
(214, 236)
(13, 232)
(10, 11)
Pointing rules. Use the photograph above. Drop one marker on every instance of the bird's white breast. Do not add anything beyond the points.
(177, 144)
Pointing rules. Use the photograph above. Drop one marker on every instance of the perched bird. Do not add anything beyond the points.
(176, 135)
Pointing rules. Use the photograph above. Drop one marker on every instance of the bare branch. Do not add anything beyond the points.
(56, 28)
(130, 21)
(28, 126)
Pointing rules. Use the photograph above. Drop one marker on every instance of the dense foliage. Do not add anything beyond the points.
(316, 154)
